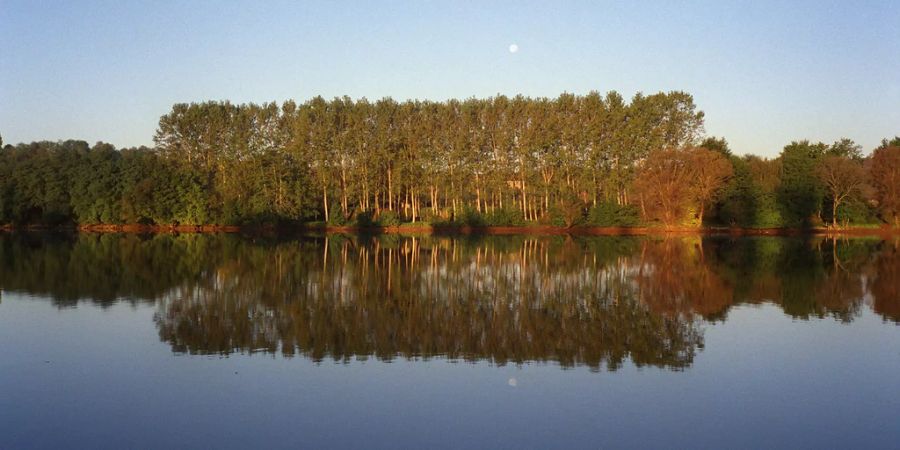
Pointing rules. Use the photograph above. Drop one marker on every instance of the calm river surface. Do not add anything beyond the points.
(212, 341)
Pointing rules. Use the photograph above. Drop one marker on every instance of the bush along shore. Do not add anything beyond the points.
(574, 162)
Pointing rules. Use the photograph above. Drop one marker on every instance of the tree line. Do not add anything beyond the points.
(571, 160)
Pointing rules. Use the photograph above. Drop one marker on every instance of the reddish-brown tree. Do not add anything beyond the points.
(884, 172)
(669, 181)
(710, 171)
(663, 185)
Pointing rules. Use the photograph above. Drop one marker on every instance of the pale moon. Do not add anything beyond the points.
(512, 381)
(513, 48)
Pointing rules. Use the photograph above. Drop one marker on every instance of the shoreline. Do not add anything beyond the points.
(466, 230)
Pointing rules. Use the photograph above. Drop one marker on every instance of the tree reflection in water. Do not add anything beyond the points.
(593, 301)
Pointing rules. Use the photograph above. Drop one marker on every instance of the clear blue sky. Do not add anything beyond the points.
(765, 73)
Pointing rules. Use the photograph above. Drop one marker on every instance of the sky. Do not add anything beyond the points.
(765, 73)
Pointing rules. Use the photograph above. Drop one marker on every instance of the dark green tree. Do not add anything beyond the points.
(801, 193)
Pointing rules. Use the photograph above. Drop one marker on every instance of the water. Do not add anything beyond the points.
(408, 342)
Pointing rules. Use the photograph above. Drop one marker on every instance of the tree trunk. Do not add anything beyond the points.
(546, 198)
(344, 204)
(834, 208)
(406, 203)
(432, 198)
(366, 188)
(452, 194)
(390, 205)
(524, 198)
(477, 194)
(643, 207)
(325, 201)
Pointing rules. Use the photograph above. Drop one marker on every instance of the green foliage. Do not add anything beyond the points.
(365, 219)
(768, 213)
(388, 219)
(611, 214)
(795, 190)
(716, 144)
(855, 211)
(895, 142)
(338, 220)
(432, 215)
(569, 212)
(746, 202)
(414, 225)
(503, 217)
(801, 194)
(53, 183)
(740, 200)
(472, 218)
(845, 148)
(555, 217)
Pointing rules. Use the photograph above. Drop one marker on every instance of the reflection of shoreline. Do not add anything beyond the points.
(885, 232)
(364, 297)
(573, 299)
(438, 299)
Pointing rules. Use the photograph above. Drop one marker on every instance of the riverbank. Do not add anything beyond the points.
(464, 230)
(129, 228)
(617, 231)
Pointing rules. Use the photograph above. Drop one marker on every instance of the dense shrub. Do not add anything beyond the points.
(470, 217)
(505, 217)
(555, 217)
(856, 212)
(338, 220)
(611, 214)
(388, 219)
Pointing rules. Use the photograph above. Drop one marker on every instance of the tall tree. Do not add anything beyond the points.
(801, 193)
(842, 177)
(846, 148)
(663, 186)
(709, 170)
(884, 170)
(716, 144)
